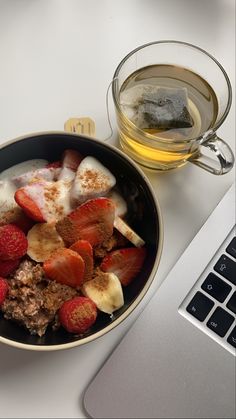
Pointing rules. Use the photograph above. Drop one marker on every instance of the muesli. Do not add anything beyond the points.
(66, 251)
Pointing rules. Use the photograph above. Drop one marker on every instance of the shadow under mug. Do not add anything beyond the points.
(167, 153)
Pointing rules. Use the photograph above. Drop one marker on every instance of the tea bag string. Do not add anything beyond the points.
(108, 112)
(86, 125)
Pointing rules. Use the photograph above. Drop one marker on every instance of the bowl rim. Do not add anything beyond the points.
(135, 303)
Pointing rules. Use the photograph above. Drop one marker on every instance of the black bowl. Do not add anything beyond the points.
(145, 218)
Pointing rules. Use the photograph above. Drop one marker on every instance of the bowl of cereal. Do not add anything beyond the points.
(80, 239)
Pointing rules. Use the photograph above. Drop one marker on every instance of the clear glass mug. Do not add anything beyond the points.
(169, 150)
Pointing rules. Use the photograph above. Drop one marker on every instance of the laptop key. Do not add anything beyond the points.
(220, 321)
(217, 288)
(200, 306)
(231, 249)
(227, 268)
(232, 337)
(232, 303)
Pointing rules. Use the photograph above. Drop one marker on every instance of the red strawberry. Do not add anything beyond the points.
(71, 159)
(54, 165)
(8, 266)
(13, 242)
(78, 314)
(124, 263)
(28, 205)
(65, 266)
(85, 250)
(4, 287)
(91, 221)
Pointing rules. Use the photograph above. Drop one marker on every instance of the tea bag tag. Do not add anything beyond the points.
(82, 126)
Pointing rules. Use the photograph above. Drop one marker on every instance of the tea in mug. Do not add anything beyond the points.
(173, 104)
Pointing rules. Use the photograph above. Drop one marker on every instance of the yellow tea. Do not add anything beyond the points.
(162, 108)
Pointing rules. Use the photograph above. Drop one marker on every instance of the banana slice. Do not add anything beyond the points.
(127, 231)
(120, 204)
(105, 291)
(92, 180)
(43, 239)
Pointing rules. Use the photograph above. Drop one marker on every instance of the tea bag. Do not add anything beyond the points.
(153, 107)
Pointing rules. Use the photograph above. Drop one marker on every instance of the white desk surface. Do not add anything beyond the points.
(57, 59)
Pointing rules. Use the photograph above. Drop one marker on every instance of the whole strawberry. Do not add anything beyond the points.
(78, 314)
(3, 289)
(13, 242)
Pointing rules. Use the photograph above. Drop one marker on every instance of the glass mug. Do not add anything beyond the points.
(200, 88)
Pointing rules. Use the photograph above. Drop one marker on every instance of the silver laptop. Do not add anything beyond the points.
(179, 359)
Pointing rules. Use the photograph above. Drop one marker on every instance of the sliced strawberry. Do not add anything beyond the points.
(91, 221)
(45, 201)
(85, 250)
(28, 205)
(54, 165)
(65, 266)
(71, 159)
(124, 263)
(70, 162)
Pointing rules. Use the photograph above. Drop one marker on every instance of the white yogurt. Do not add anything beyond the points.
(52, 198)
(20, 168)
(7, 191)
(46, 173)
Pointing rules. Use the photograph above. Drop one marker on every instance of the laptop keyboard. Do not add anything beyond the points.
(211, 304)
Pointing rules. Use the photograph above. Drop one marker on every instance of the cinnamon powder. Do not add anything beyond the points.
(93, 180)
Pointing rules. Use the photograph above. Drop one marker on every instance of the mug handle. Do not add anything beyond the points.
(224, 158)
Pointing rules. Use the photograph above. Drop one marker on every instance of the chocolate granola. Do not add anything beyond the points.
(33, 300)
